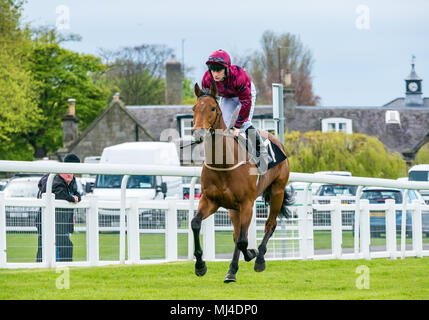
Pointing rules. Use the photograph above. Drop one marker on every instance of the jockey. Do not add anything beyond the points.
(236, 89)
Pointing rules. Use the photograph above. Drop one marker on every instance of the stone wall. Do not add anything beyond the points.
(114, 127)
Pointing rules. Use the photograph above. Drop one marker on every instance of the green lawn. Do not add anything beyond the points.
(22, 247)
(324, 279)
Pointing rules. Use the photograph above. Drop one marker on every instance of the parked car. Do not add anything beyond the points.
(377, 219)
(22, 187)
(420, 172)
(336, 190)
(316, 186)
(186, 187)
(3, 184)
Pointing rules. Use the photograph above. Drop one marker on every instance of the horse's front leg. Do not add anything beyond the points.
(205, 209)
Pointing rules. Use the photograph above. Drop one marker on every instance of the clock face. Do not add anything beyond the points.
(412, 86)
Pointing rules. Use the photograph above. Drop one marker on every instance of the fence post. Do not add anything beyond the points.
(208, 231)
(190, 217)
(336, 231)
(251, 234)
(171, 230)
(302, 229)
(391, 228)
(308, 221)
(404, 223)
(48, 226)
(133, 232)
(93, 232)
(357, 219)
(364, 228)
(305, 224)
(3, 246)
(417, 228)
(122, 214)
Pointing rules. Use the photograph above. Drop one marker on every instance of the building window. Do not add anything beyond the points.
(270, 126)
(186, 127)
(257, 124)
(337, 125)
(392, 116)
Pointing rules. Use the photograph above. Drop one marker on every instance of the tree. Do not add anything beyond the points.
(422, 156)
(188, 96)
(18, 102)
(281, 53)
(138, 73)
(362, 155)
(63, 74)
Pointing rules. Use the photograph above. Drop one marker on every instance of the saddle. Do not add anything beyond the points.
(275, 153)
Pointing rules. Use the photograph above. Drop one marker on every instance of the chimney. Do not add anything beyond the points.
(70, 128)
(71, 111)
(173, 87)
(289, 102)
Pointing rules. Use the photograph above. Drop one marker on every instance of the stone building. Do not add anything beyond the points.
(402, 124)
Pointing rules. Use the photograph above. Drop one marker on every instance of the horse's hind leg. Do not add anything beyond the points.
(241, 221)
(205, 209)
(276, 201)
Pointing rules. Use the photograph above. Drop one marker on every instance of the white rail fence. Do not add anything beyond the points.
(131, 231)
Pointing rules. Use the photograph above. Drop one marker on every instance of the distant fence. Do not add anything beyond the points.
(129, 230)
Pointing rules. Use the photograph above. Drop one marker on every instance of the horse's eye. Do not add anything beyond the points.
(213, 109)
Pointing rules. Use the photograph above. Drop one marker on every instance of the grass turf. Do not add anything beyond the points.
(323, 279)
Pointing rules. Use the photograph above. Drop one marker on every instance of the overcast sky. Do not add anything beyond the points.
(362, 49)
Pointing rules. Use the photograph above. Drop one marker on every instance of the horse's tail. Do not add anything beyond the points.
(288, 200)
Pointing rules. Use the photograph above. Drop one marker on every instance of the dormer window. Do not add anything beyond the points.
(186, 127)
(392, 116)
(337, 125)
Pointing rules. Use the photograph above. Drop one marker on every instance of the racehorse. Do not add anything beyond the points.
(231, 184)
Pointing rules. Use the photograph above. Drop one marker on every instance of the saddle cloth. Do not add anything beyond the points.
(275, 152)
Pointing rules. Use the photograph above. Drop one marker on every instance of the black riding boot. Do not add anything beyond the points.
(258, 152)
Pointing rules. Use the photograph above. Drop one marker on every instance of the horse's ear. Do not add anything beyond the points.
(213, 90)
(198, 92)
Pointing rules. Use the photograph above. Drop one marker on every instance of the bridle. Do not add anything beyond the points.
(211, 129)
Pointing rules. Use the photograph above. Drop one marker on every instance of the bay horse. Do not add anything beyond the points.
(230, 184)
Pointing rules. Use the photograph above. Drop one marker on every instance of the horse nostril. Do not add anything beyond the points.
(198, 133)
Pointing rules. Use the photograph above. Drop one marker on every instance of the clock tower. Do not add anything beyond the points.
(413, 87)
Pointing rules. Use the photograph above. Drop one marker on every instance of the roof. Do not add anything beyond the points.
(399, 103)
(420, 167)
(102, 114)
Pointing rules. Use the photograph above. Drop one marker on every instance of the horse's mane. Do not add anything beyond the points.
(206, 92)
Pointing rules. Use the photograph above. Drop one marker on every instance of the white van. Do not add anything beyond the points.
(420, 172)
(143, 187)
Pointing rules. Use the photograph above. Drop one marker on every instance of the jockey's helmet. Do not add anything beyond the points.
(219, 57)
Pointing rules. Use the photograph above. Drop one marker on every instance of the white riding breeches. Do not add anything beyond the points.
(228, 106)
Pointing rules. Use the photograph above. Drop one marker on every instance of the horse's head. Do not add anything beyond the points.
(207, 114)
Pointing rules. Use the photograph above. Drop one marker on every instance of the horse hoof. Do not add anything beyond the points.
(259, 267)
(230, 278)
(201, 271)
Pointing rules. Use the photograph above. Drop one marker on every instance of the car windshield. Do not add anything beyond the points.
(334, 190)
(380, 196)
(134, 182)
(21, 189)
(418, 176)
